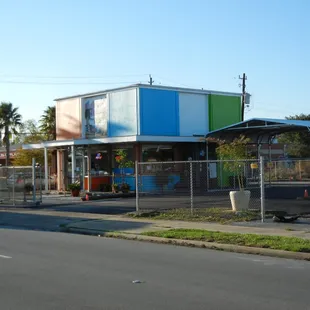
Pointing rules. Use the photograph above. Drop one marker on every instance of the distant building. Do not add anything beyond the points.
(13, 149)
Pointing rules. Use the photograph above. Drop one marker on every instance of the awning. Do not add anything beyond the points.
(110, 140)
(260, 130)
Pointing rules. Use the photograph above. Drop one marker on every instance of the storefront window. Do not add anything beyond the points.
(157, 153)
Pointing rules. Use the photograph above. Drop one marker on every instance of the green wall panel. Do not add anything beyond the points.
(224, 111)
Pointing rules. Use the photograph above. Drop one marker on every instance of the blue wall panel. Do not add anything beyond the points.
(159, 112)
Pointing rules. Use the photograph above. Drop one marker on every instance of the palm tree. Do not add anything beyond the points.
(10, 120)
(48, 123)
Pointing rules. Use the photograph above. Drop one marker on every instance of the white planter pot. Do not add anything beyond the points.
(240, 200)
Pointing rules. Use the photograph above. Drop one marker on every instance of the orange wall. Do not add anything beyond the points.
(68, 119)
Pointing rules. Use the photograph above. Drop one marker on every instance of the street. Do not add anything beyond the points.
(51, 270)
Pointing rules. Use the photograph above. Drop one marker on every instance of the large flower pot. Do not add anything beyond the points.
(75, 193)
(240, 200)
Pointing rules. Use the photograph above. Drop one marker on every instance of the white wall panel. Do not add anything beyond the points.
(123, 113)
(193, 113)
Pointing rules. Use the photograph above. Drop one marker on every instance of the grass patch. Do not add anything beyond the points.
(251, 240)
(218, 215)
(289, 229)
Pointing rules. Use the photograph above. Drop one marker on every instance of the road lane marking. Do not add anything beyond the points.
(4, 256)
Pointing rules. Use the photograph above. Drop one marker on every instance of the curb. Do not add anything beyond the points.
(193, 243)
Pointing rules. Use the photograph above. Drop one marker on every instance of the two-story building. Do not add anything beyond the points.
(152, 123)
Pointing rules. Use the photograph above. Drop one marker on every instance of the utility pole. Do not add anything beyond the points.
(151, 81)
(243, 78)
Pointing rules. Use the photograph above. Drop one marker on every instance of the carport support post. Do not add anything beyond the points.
(208, 168)
(191, 186)
(45, 170)
(262, 189)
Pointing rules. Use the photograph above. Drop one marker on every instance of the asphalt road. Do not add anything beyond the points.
(49, 270)
(121, 206)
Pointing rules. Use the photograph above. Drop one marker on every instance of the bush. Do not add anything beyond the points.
(105, 187)
(74, 186)
(28, 187)
(125, 187)
(115, 187)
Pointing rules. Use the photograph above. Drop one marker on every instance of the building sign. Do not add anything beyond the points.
(3, 155)
(96, 117)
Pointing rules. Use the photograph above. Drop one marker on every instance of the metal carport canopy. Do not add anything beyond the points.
(260, 130)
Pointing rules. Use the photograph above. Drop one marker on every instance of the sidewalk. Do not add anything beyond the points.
(127, 225)
(101, 223)
(122, 226)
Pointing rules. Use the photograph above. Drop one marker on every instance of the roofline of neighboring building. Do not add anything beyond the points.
(13, 147)
(188, 90)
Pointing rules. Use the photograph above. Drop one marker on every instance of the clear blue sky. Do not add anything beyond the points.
(196, 43)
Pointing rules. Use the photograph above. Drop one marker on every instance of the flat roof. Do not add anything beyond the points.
(182, 89)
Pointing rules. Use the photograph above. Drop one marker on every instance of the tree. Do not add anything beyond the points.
(235, 156)
(24, 157)
(298, 143)
(30, 134)
(10, 120)
(122, 160)
(48, 123)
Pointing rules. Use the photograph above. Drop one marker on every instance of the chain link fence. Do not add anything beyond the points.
(196, 184)
(288, 170)
(20, 185)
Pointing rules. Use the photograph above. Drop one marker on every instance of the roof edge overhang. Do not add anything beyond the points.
(110, 140)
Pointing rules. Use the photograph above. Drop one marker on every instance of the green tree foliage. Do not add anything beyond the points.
(10, 121)
(122, 159)
(234, 155)
(298, 143)
(30, 134)
(48, 123)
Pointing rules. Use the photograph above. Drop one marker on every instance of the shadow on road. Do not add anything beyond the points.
(12, 220)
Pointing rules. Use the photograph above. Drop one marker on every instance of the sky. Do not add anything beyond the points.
(50, 49)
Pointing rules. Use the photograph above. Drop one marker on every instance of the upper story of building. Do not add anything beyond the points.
(144, 110)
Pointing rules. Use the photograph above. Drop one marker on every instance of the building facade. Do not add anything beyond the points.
(151, 123)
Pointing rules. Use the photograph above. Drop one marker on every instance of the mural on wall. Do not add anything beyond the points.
(96, 117)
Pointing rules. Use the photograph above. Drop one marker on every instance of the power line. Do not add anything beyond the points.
(68, 77)
(66, 83)
(169, 81)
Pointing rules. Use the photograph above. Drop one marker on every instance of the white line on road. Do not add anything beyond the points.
(4, 256)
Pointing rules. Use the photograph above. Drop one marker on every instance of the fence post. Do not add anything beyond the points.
(137, 184)
(191, 186)
(208, 176)
(14, 186)
(221, 174)
(275, 170)
(262, 189)
(34, 180)
(40, 178)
